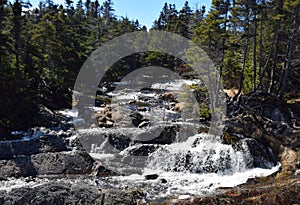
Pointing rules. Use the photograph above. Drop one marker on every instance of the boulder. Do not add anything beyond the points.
(106, 141)
(168, 96)
(58, 193)
(158, 135)
(151, 176)
(141, 149)
(290, 160)
(101, 171)
(47, 164)
(45, 143)
(104, 118)
(179, 107)
(136, 118)
(134, 196)
(47, 118)
(262, 156)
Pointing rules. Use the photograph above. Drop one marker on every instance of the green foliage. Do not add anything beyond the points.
(204, 111)
(42, 51)
(253, 43)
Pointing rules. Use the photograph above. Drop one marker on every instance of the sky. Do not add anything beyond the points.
(146, 11)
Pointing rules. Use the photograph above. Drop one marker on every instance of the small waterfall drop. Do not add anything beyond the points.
(201, 153)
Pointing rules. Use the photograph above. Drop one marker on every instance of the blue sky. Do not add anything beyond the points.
(146, 11)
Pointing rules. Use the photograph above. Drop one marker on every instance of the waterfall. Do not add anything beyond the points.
(201, 153)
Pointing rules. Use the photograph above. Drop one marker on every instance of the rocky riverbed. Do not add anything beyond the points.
(145, 146)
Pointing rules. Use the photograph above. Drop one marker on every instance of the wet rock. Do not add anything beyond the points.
(158, 135)
(136, 118)
(151, 176)
(47, 163)
(45, 143)
(47, 118)
(142, 150)
(120, 142)
(106, 140)
(142, 109)
(58, 193)
(130, 197)
(262, 156)
(163, 181)
(101, 171)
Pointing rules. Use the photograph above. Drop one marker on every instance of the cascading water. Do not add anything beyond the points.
(202, 164)
(201, 153)
(190, 163)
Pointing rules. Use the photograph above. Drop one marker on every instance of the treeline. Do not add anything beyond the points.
(254, 44)
(42, 50)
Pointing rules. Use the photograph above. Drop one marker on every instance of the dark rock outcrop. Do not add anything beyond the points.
(158, 135)
(136, 118)
(262, 156)
(54, 193)
(45, 143)
(151, 176)
(47, 164)
(142, 149)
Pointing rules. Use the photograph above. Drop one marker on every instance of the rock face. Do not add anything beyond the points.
(158, 135)
(43, 144)
(46, 152)
(54, 193)
(262, 156)
(123, 138)
(142, 149)
(60, 193)
(47, 164)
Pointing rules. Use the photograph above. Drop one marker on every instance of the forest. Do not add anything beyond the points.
(255, 45)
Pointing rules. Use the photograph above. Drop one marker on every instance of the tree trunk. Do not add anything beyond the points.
(289, 55)
(254, 49)
(261, 49)
(244, 61)
(275, 44)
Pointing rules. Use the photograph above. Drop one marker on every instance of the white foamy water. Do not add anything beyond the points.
(180, 183)
(201, 184)
(69, 112)
(175, 85)
(200, 154)
(13, 183)
(210, 165)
